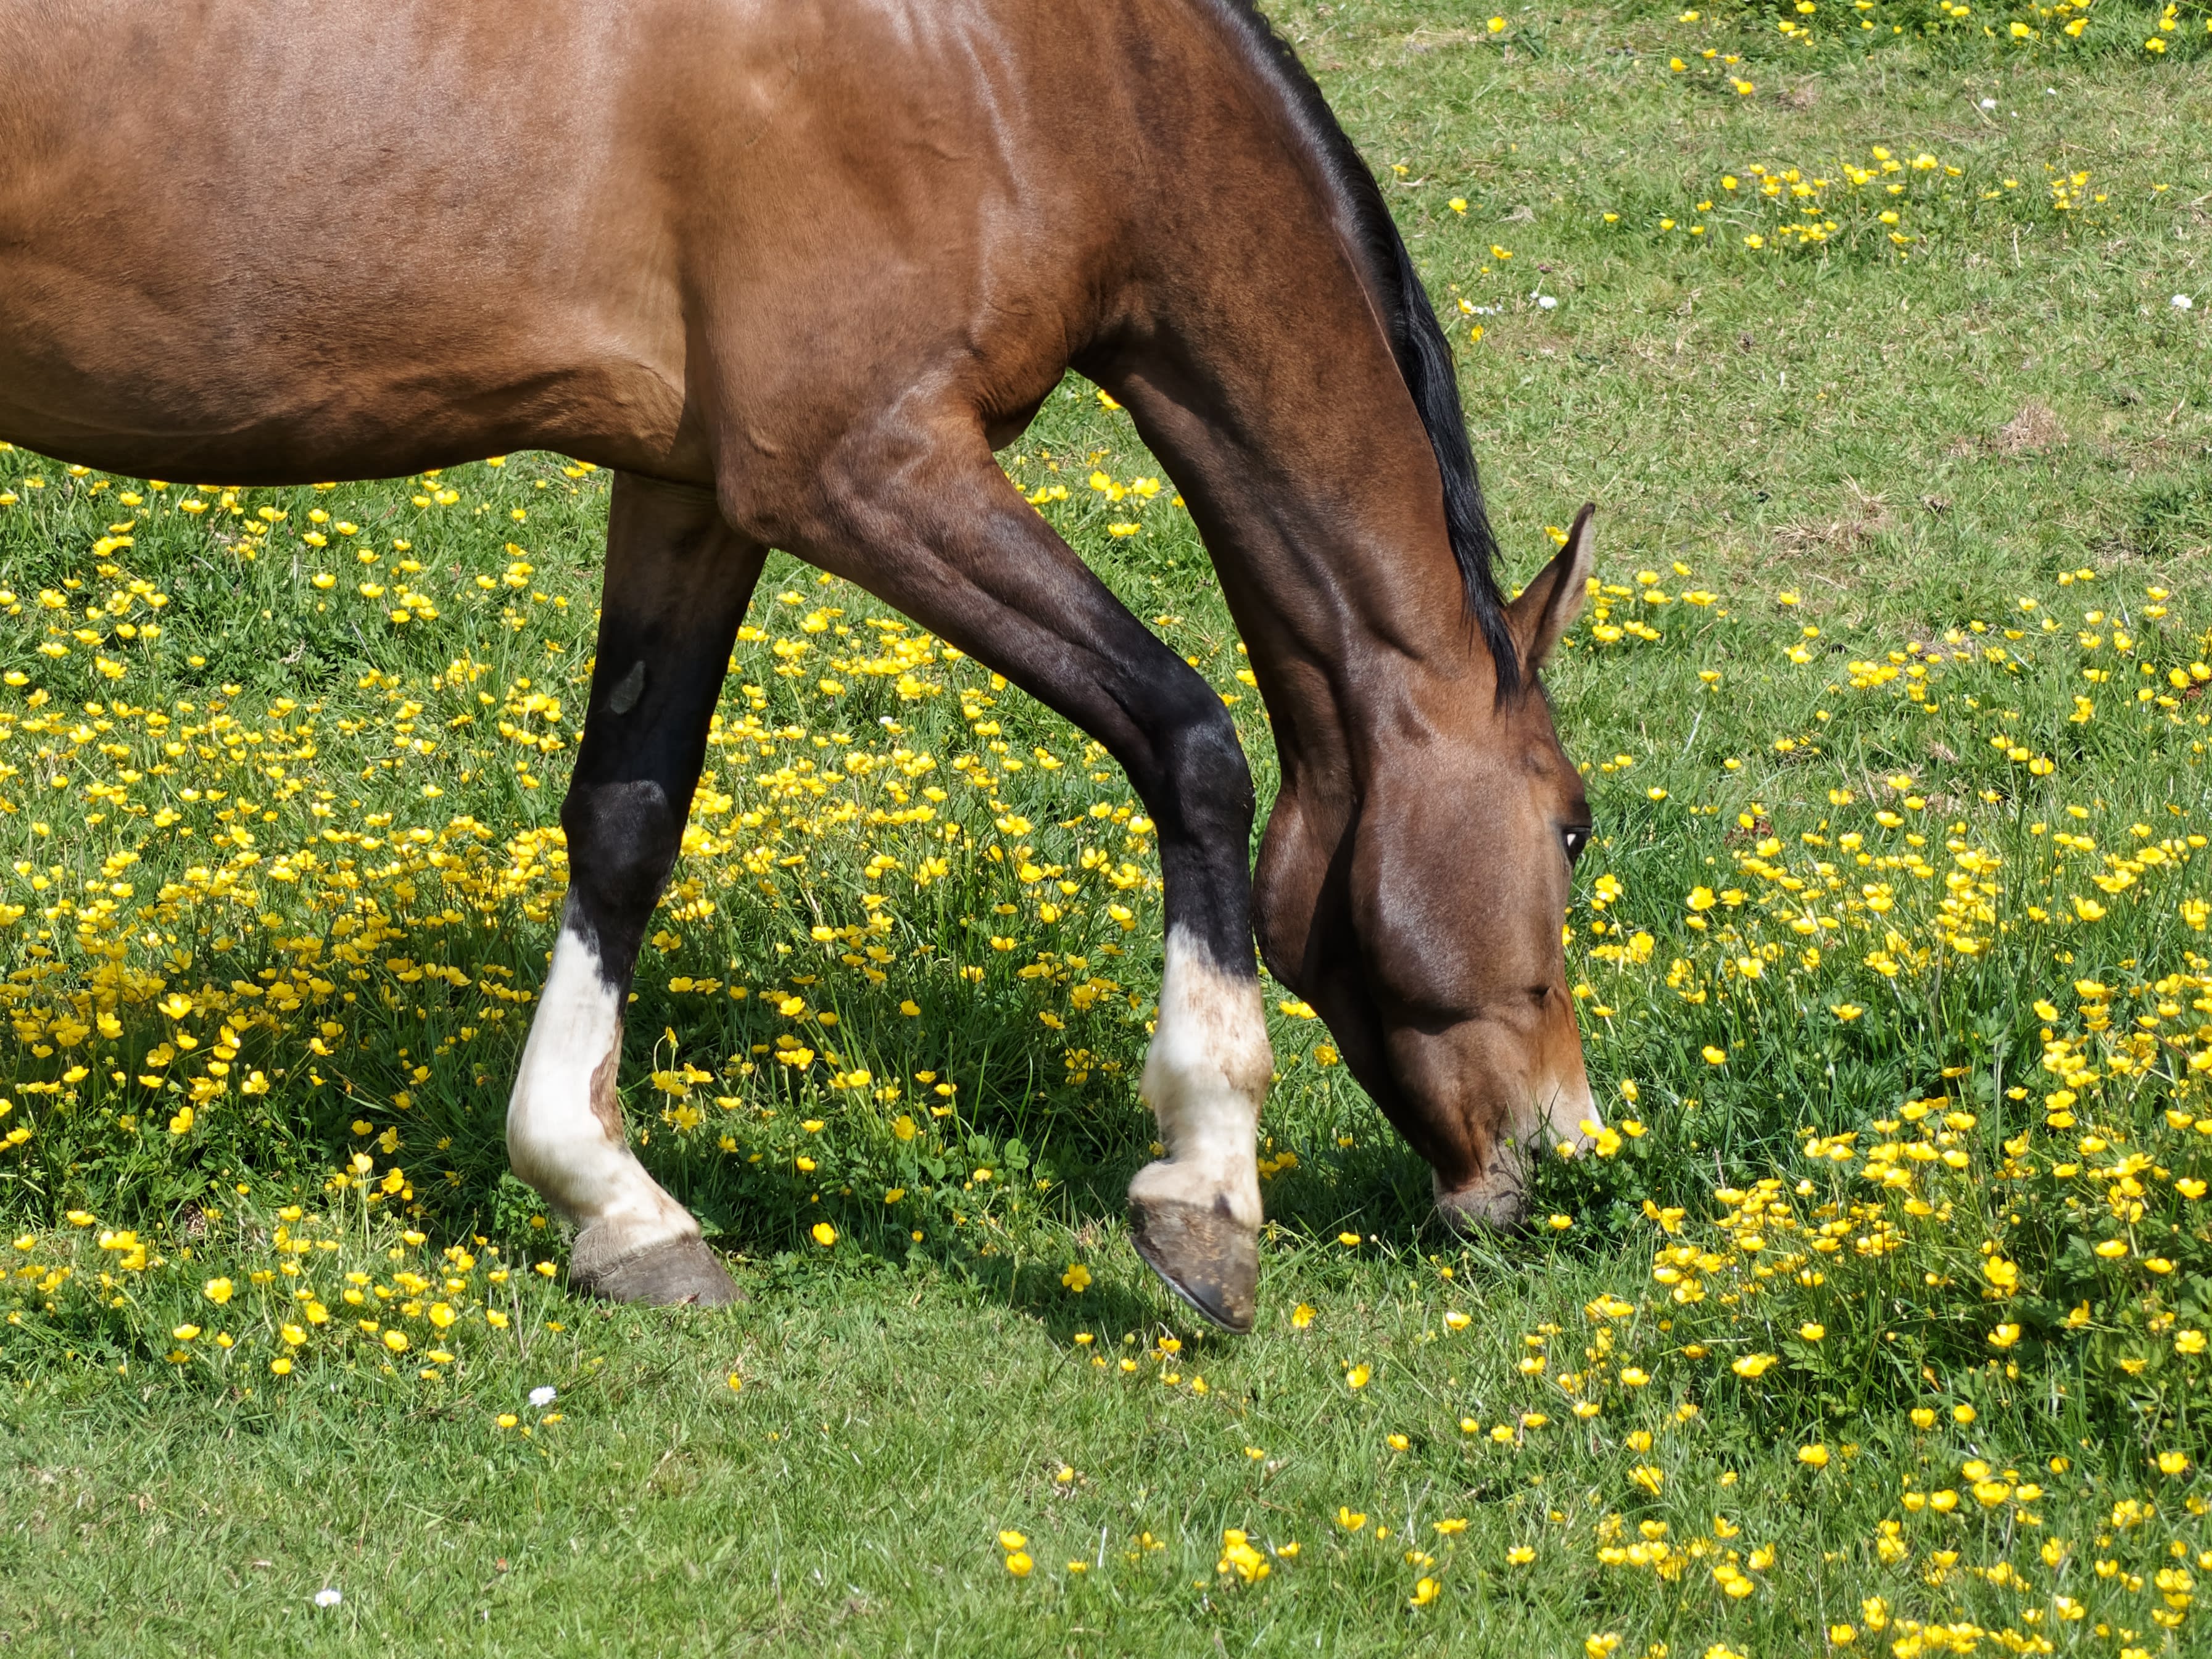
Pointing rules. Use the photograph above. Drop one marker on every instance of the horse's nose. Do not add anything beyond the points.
(1565, 1117)
(1495, 1200)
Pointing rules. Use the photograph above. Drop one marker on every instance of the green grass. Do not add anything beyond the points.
(1895, 444)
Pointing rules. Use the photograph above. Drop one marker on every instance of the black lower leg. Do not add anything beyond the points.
(677, 583)
(1191, 773)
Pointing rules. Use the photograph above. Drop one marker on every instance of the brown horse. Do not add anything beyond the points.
(793, 270)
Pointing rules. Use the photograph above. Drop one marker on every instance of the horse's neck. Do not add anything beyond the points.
(1256, 362)
(1282, 416)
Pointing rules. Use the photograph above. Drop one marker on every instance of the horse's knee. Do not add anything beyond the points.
(1196, 759)
(1200, 733)
(622, 841)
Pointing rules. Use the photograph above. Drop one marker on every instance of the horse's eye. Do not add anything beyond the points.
(1574, 839)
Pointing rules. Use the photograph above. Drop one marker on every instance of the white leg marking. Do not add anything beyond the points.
(565, 1143)
(1205, 1077)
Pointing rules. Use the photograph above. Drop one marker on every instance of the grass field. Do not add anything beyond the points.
(1881, 1317)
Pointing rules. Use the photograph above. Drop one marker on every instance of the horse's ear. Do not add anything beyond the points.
(1548, 605)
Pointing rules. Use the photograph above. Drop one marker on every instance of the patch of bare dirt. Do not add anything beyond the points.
(2034, 431)
(1864, 517)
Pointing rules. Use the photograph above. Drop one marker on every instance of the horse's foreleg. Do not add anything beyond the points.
(677, 581)
(962, 553)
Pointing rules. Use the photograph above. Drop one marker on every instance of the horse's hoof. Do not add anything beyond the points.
(1202, 1255)
(674, 1273)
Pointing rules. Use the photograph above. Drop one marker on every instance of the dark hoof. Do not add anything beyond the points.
(1205, 1258)
(671, 1274)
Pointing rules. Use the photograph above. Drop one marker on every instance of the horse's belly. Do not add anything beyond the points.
(346, 388)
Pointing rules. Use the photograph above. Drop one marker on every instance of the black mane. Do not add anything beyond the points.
(1417, 339)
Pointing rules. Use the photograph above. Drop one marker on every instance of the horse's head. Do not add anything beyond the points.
(1436, 955)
